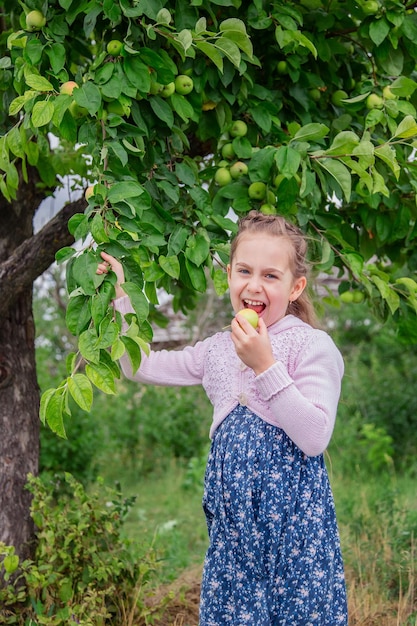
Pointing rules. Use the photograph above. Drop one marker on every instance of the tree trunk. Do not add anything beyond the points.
(19, 423)
(23, 257)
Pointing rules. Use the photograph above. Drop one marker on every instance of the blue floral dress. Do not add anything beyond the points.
(274, 556)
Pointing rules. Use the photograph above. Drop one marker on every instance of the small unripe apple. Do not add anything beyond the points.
(251, 316)
(257, 191)
(222, 177)
(239, 128)
(282, 67)
(155, 88)
(35, 20)
(387, 93)
(346, 297)
(77, 111)
(338, 96)
(268, 209)
(278, 180)
(184, 84)
(167, 90)
(238, 169)
(68, 87)
(114, 47)
(370, 7)
(358, 296)
(228, 151)
(315, 94)
(373, 101)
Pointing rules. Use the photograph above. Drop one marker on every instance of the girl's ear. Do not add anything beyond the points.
(298, 288)
(228, 272)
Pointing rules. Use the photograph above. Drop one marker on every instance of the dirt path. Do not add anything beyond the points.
(178, 601)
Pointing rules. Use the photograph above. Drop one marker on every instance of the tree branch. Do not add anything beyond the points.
(35, 255)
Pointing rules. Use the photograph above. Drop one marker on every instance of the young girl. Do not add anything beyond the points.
(274, 554)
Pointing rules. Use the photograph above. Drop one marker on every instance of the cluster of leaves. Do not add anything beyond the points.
(83, 571)
(299, 74)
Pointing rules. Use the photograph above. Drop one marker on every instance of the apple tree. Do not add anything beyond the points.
(181, 116)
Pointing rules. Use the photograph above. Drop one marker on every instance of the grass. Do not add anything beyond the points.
(378, 525)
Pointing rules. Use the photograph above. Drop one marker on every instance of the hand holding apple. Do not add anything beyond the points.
(253, 346)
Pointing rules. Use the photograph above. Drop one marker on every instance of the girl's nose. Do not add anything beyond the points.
(254, 284)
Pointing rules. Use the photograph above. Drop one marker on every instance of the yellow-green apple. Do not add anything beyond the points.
(239, 128)
(257, 191)
(184, 84)
(238, 169)
(222, 177)
(35, 20)
(228, 151)
(68, 87)
(167, 90)
(114, 47)
(251, 316)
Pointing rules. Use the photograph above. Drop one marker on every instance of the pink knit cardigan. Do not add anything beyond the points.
(298, 394)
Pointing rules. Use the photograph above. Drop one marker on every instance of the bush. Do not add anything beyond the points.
(84, 571)
(378, 405)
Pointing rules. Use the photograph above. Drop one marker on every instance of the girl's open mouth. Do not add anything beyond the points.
(255, 305)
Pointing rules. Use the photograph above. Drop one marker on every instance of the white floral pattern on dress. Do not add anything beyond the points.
(274, 557)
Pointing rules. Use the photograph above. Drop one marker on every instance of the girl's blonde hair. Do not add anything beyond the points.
(276, 225)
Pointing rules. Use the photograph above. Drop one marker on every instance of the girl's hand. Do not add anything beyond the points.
(110, 263)
(253, 346)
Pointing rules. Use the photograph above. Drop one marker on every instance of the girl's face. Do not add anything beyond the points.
(260, 277)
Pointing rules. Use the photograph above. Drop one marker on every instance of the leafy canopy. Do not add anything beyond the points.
(144, 97)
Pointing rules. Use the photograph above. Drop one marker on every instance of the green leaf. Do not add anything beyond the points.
(229, 49)
(18, 103)
(197, 249)
(101, 376)
(210, 51)
(118, 349)
(84, 272)
(354, 262)
(387, 154)
(38, 83)
(388, 294)
(162, 110)
(138, 300)
(288, 160)
(379, 30)
(340, 173)
(344, 143)
(233, 24)
(241, 40)
(53, 408)
(88, 96)
(123, 190)
(56, 53)
(42, 113)
(78, 314)
(197, 276)
(81, 390)
(64, 254)
(311, 131)
(260, 164)
(170, 265)
(406, 128)
(11, 563)
(403, 87)
(88, 344)
(133, 351)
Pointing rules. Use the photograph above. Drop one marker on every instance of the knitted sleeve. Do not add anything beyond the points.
(165, 367)
(304, 404)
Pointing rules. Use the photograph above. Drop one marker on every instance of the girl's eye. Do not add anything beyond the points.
(243, 271)
(271, 276)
